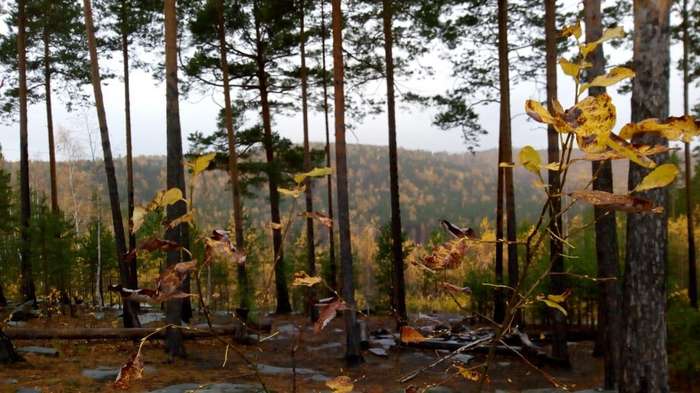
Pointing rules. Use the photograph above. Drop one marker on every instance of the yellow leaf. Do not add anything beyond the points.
(303, 279)
(570, 68)
(138, 217)
(341, 384)
(553, 166)
(662, 176)
(683, 128)
(573, 30)
(538, 112)
(275, 225)
(316, 172)
(560, 298)
(170, 197)
(530, 159)
(630, 151)
(615, 75)
(294, 193)
(553, 304)
(201, 163)
(594, 115)
(506, 165)
(468, 374)
(608, 34)
(185, 218)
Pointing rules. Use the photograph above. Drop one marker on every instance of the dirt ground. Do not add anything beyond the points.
(204, 363)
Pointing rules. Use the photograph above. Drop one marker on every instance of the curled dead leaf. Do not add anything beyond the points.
(130, 371)
(341, 384)
(303, 279)
(409, 335)
(327, 313)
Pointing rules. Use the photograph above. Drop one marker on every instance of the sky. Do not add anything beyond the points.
(198, 113)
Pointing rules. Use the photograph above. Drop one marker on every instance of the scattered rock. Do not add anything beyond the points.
(99, 315)
(463, 357)
(384, 342)
(28, 390)
(324, 347)
(109, 373)
(381, 352)
(16, 323)
(274, 370)
(439, 389)
(288, 329)
(503, 364)
(44, 351)
(11, 381)
(211, 388)
(150, 317)
(24, 312)
(318, 378)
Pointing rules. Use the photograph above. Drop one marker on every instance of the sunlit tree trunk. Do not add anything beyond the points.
(608, 339)
(556, 259)
(311, 310)
(692, 267)
(505, 193)
(27, 281)
(332, 264)
(130, 319)
(174, 309)
(398, 285)
(133, 271)
(233, 163)
(644, 366)
(353, 356)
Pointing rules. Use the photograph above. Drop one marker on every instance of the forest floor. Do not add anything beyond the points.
(321, 354)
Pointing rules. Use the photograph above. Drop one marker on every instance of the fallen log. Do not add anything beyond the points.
(112, 333)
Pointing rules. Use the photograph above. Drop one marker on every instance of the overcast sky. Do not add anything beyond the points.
(198, 113)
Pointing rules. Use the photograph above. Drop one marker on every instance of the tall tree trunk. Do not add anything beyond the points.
(692, 267)
(133, 271)
(282, 291)
(505, 191)
(398, 285)
(607, 253)
(174, 309)
(46, 37)
(332, 264)
(353, 356)
(27, 284)
(556, 259)
(311, 310)
(644, 365)
(130, 319)
(233, 164)
(3, 300)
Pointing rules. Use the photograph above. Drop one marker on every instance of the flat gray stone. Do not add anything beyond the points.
(324, 347)
(211, 388)
(288, 329)
(11, 381)
(381, 352)
(274, 370)
(463, 357)
(109, 373)
(385, 343)
(439, 389)
(28, 390)
(149, 317)
(44, 351)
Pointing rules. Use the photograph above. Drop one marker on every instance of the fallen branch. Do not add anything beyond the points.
(110, 333)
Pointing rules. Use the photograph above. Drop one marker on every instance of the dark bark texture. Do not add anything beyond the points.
(556, 249)
(607, 252)
(353, 355)
(27, 281)
(175, 177)
(398, 285)
(644, 365)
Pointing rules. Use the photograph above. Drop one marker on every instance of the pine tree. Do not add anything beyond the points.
(644, 365)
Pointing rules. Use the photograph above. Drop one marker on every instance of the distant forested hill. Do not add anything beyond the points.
(458, 187)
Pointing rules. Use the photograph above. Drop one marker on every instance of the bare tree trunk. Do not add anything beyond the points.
(398, 285)
(3, 300)
(556, 259)
(333, 267)
(98, 273)
(692, 267)
(607, 253)
(282, 291)
(644, 366)
(353, 356)
(233, 163)
(133, 271)
(27, 284)
(311, 309)
(505, 180)
(49, 117)
(174, 309)
(130, 319)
